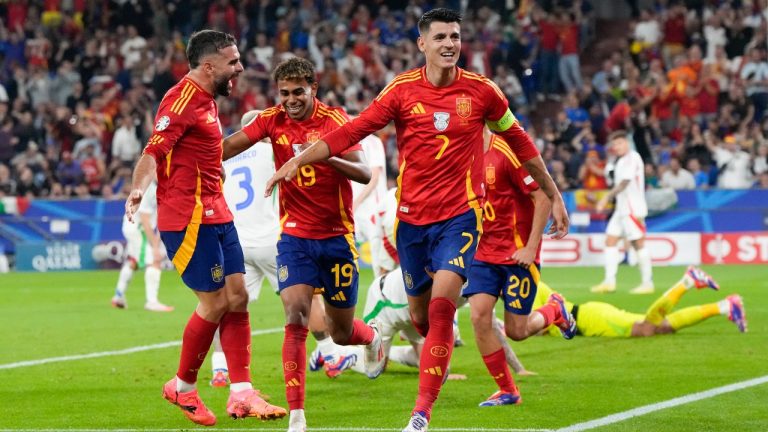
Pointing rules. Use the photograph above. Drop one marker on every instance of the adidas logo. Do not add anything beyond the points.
(458, 262)
(339, 297)
(501, 375)
(293, 383)
(418, 109)
(516, 304)
(434, 371)
(283, 140)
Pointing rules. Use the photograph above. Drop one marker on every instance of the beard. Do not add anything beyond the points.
(221, 87)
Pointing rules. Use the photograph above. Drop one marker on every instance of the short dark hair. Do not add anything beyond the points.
(295, 69)
(440, 15)
(206, 42)
(620, 133)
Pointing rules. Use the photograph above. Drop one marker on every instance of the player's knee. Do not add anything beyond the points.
(515, 333)
(340, 335)
(297, 313)
(482, 320)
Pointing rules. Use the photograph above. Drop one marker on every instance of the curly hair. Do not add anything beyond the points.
(295, 69)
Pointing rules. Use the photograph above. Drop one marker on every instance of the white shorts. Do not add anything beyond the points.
(260, 262)
(392, 315)
(626, 226)
(138, 248)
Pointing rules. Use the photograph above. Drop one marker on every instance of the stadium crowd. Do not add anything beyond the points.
(79, 81)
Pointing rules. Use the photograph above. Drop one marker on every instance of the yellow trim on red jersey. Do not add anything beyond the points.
(502, 146)
(400, 79)
(155, 139)
(186, 95)
(269, 112)
(518, 240)
(344, 218)
(400, 183)
(168, 163)
(471, 197)
(338, 118)
(476, 77)
(187, 248)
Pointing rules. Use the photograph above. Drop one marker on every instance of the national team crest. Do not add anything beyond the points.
(441, 120)
(408, 280)
(282, 273)
(463, 107)
(217, 273)
(490, 175)
(313, 137)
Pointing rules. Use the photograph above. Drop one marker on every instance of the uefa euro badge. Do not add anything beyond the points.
(162, 123)
(217, 273)
(441, 120)
(408, 280)
(490, 175)
(296, 149)
(282, 273)
(463, 107)
(313, 137)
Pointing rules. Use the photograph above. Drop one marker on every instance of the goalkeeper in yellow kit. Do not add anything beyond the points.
(604, 319)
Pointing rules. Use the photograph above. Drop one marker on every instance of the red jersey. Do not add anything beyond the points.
(569, 39)
(508, 208)
(317, 204)
(186, 145)
(439, 139)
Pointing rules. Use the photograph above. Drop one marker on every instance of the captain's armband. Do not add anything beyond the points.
(505, 122)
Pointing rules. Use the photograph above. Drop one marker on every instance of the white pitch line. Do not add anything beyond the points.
(312, 429)
(647, 409)
(114, 353)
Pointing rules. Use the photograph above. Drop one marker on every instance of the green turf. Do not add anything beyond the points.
(61, 314)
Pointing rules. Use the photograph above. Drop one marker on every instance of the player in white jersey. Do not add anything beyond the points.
(368, 198)
(143, 249)
(628, 219)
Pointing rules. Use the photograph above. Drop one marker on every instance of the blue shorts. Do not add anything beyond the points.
(447, 245)
(516, 284)
(205, 254)
(329, 265)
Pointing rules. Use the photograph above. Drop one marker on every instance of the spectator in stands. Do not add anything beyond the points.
(125, 142)
(569, 65)
(68, 173)
(700, 177)
(760, 164)
(762, 181)
(677, 177)
(7, 183)
(93, 169)
(754, 73)
(6, 140)
(733, 163)
(592, 172)
(549, 83)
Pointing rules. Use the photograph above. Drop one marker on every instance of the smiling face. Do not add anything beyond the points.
(224, 66)
(297, 97)
(441, 44)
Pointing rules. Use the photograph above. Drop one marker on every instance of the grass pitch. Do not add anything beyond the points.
(53, 315)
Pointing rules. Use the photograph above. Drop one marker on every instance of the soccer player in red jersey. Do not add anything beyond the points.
(507, 263)
(316, 248)
(439, 111)
(184, 154)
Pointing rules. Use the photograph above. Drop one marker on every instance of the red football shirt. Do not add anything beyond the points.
(186, 145)
(317, 204)
(508, 208)
(439, 139)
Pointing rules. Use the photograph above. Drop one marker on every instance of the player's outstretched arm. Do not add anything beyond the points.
(538, 171)
(353, 165)
(314, 153)
(235, 144)
(143, 175)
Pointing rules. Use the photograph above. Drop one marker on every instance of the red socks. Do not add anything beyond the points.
(235, 331)
(421, 329)
(550, 312)
(497, 366)
(295, 364)
(362, 333)
(198, 335)
(436, 354)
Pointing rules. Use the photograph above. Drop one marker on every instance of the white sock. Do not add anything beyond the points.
(404, 354)
(297, 417)
(725, 307)
(152, 283)
(644, 262)
(238, 387)
(218, 360)
(327, 347)
(126, 274)
(612, 258)
(183, 386)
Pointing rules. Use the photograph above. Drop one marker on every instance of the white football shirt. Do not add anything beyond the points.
(256, 217)
(373, 149)
(631, 201)
(148, 206)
